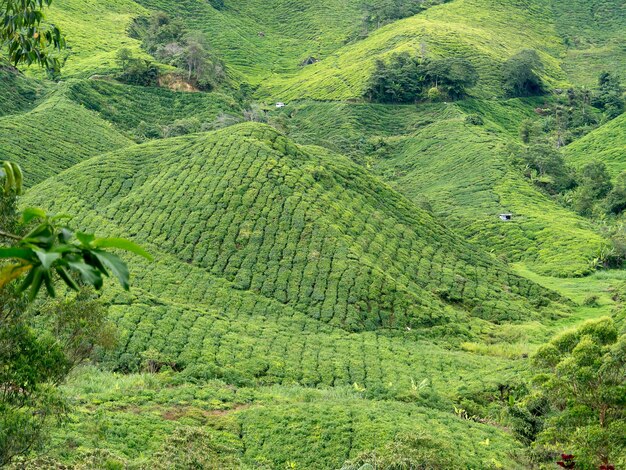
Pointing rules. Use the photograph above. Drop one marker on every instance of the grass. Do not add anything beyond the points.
(137, 413)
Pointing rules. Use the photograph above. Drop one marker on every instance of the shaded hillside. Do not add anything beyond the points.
(128, 106)
(54, 136)
(17, 93)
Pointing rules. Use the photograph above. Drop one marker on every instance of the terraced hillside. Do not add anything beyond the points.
(606, 144)
(432, 155)
(334, 278)
(44, 144)
(484, 32)
(594, 32)
(281, 264)
(299, 226)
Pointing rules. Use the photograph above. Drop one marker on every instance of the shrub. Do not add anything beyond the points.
(474, 119)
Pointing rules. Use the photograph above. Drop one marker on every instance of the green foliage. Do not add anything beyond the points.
(379, 12)
(521, 74)
(171, 42)
(144, 420)
(194, 447)
(51, 247)
(27, 37)
(43, 145)
(38, 347)
(346, 278)
(406, 79)
(583, 375)
(609, 96)
(545, 166)
(136, 71)
(408, 451)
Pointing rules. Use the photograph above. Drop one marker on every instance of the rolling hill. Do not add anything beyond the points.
(333, 279)
(281, 264)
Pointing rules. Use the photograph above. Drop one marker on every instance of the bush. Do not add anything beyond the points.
(474, 119)
(182, 127)
(136, 71)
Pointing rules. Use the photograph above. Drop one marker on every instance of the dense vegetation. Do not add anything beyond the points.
(386, 234)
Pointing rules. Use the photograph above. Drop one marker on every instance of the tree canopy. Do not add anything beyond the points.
(522, 74)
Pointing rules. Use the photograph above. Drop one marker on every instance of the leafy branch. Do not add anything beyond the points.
(52, 248)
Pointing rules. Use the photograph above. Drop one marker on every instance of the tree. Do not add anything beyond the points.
(521, 74)
(582, 373)
(135, 71)
(616, 199)
(452, 75)
(545, 166)
(26, 37)
(608, 98)
(41, 343)
(594, 184)
(407, 79)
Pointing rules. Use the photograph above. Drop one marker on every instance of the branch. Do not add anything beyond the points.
(10, 235)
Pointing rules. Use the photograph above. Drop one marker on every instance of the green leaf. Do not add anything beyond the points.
(31, 213)
(47, 279)
(36, 282)
(47, 258)
(88, 274)
(116, 265)
(19, 253)
(122, 244)
(85, 238)
(67, 278)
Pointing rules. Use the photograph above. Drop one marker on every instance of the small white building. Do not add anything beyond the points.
(280, 104)
(506, 217)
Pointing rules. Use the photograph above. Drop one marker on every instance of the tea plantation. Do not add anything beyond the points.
(338, 281)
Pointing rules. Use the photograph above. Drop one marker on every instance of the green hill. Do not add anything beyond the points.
(43, 144)
(484, 32)
(335, 276)
(432, 155)
(606, 144)
(300, 226)
(594, 32)
(281, 264)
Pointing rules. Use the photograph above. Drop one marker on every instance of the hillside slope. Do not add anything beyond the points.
(54, 136)
(300, 226)
(432, 155)
(606, 144)
(485, 32)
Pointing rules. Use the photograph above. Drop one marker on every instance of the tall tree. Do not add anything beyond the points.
(521, 74)
(582, 373)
